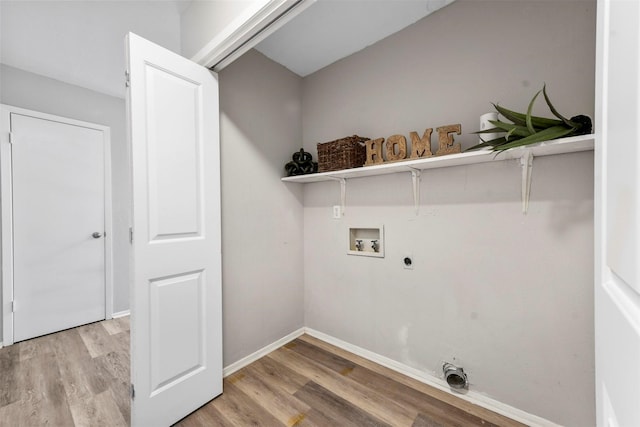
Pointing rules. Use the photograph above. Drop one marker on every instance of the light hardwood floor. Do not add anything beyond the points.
(75, 377)
(80, 377)
(311, 383)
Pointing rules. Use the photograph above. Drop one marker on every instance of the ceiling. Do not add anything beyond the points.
(82, 41)
(330, 30)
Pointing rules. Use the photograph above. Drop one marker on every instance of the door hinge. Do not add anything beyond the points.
(127, 79)
(13, 306)
(133, 392)
(130, 234)
(10, 137)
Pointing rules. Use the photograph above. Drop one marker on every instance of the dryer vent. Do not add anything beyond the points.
(455, 376)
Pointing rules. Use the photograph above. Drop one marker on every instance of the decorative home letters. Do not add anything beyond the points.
(396, 141)
(396, 145)
(445, 140)
(421, 147)
(374, 151)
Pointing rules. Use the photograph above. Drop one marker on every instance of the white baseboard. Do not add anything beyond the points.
(121, 314)
(424, 377)
(260, 353)
(0, 344)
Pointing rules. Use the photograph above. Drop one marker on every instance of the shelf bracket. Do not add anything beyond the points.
(526, 162)
(343, 192)
(415, 181)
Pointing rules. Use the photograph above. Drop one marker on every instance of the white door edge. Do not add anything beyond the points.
(616, 298)
(6, 212)
(600, 161)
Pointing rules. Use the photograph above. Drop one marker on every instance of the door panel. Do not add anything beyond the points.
(58, 202)
(617, 287)
(176, 328)
(623, 153)
(175, 199)
(617, 355)
(176, 308)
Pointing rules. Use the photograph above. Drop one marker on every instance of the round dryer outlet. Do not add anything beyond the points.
(407, 262)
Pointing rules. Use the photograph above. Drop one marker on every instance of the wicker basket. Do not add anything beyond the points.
(344, 153)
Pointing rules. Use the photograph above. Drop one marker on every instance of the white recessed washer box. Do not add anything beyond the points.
(366, 241)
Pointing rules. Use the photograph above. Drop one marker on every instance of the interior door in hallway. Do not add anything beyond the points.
(58, 225)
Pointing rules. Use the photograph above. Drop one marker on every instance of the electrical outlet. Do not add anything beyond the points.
(407, 261)
(337, 212)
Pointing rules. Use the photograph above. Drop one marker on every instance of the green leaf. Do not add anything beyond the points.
(544, 135)
(521, 119)
(553, 109)
(508, 127)
(479, 146)
(528, 118)
(516, 118)
(492, 130)
(492, 143)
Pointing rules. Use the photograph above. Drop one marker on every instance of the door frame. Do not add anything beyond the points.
(261, 19)
(6, 215)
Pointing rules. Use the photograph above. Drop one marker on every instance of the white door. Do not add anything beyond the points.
(617, 275)
(58, 205)
(176, 310)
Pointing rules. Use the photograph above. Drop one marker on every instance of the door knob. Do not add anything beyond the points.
(96, 235)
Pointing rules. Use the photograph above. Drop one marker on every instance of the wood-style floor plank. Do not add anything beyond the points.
(279, 375)
(241, 410)
(96, 339)
(116, 365)
(34, 347)
(116, 326)
(9, 361)
(340, 411)
(425, 421)
(205, 416)
(283, 406)
(99, 410)
(43, 401)
(316, 418)
(73, 360)
(330, 360)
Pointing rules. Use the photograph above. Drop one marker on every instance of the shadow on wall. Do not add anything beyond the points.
(260, 106)
(262, 221)
(565, 216)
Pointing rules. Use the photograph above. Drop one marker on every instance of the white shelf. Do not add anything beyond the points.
(525, 154)
(573, 144)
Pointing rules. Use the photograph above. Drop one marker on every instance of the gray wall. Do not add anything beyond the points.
(32, 91)
(505, 295)
(262, 218)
